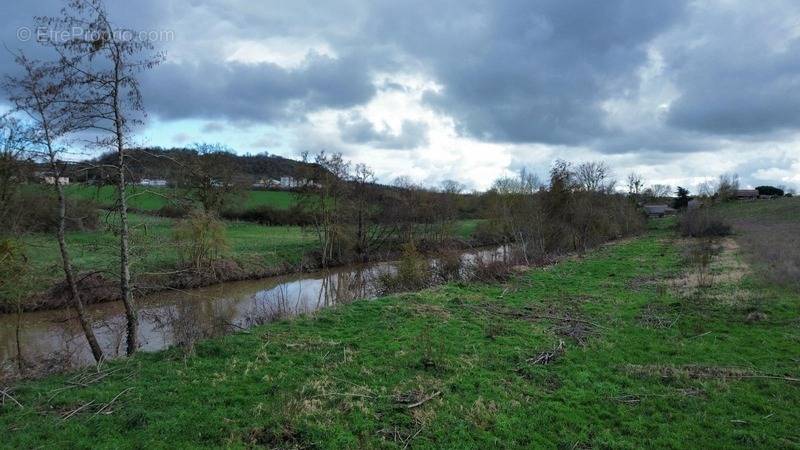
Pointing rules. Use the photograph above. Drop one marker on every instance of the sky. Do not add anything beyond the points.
(677, 91)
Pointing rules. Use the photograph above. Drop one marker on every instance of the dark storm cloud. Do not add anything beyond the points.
(525, 71)
(738, 69)
(262, 92)
(516, 71)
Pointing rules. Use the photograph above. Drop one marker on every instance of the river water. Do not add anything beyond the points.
(55, 341)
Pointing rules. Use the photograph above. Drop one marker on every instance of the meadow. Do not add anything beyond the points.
(151, 199)
(622, 348)
(255, 248)
(770, 232)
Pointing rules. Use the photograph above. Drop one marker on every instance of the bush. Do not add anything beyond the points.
(703, 223)
(201, 239)
(173, 211)
(37, 211)
(413, 273)
(268, 215)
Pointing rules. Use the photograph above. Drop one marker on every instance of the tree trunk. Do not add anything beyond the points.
(125, 271)
(66, 262)
(124, 248)
(20, 360)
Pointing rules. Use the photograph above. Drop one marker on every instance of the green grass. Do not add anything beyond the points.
(154, 198)
(780, 209)
(345, 378)
(253, 246)
(466, 228)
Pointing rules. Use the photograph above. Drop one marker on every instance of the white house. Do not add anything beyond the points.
(152, 182)
(49, 179)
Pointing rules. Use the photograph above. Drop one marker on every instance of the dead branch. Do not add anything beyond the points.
(99, 411)
(77, 410)
(5, 395)
(424, 400)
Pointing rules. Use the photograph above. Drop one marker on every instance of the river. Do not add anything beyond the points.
(55, 341)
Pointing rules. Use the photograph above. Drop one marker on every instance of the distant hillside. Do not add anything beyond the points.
(156, 163)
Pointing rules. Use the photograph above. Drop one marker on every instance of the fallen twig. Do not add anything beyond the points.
(408, 441)
(112, 401)
(549, 356)
(77, 410)
(5, 395)
(701, 335)
(424, 400)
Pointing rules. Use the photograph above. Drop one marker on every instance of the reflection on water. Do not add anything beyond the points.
(54, 338)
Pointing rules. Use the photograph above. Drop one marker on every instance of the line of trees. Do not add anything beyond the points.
(576, 209)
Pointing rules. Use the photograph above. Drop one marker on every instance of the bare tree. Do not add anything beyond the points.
(661, 190)
(39, 94)
(102, 62)
(594, 176)
(727, 185)
(635, 183)
(13, 168)
(209, 172)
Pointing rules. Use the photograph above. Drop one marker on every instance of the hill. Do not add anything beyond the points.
(159, 163)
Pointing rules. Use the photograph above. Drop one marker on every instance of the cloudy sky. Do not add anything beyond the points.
(680, 92)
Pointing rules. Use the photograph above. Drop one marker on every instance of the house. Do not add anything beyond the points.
(658, 210)
(152, 182)
(746, 194)
(694, 204)
(50, 179)
(287, 182)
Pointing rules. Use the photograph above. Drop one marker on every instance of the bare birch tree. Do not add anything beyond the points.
(102, 63)
(39, 94)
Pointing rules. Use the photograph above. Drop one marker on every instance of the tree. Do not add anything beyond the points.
(323, 198)
(594, 176)
(682, 201)
(101, 66)
(40, 94)
(727, 186)
(14, 164)
(209, 172)
(635, 183)
(658, 191)
(770, 190)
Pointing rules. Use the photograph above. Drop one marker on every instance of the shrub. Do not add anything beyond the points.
(268, 215)
(448, 265)
(201, 239)
(37, 211)
(413, 273)
(487, 270)
(703, 223)
(173, 211)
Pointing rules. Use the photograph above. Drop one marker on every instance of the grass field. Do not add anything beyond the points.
(154, 198)
(616, 350)
(769, 230)
(253, 246)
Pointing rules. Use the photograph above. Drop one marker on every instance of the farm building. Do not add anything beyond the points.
(746, 194)
(659, 210)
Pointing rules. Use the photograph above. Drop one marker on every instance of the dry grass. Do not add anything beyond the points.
(711, 263)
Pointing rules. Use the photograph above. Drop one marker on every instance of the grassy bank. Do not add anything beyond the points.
(253, 247)
(256, 249)
(620, 349)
